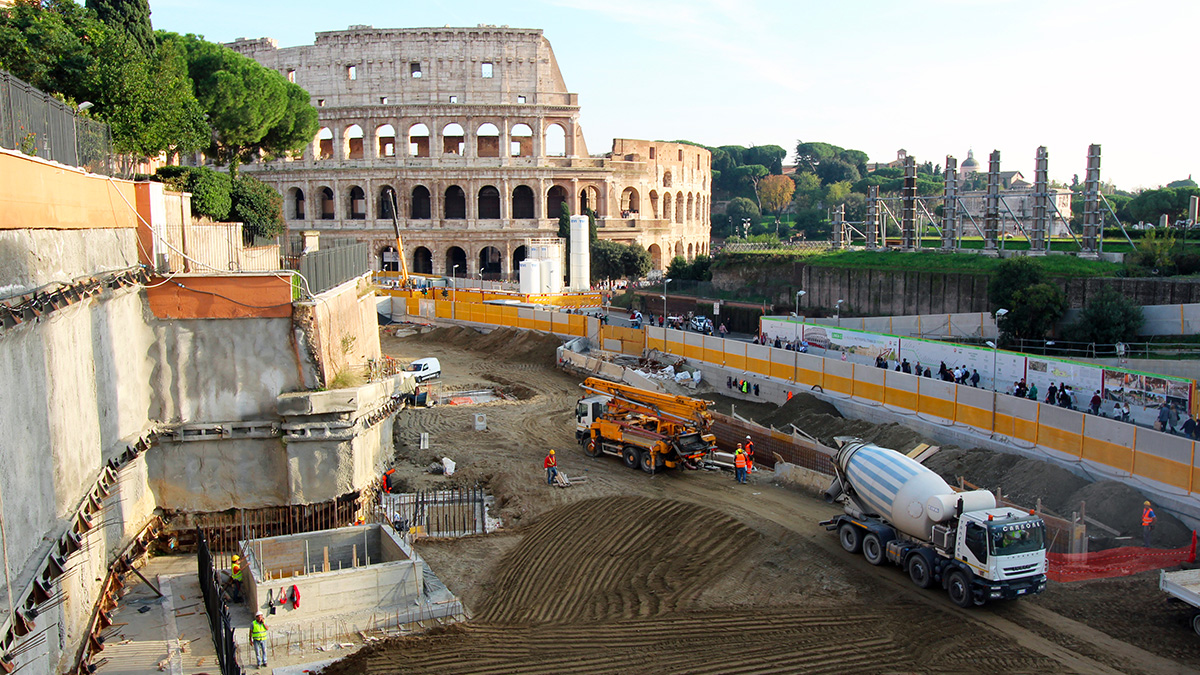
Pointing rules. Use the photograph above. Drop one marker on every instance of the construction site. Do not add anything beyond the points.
(216, 462)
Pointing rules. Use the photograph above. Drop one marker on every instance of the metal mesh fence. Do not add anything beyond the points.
(327, 268)
(218, 612)
(36, 124)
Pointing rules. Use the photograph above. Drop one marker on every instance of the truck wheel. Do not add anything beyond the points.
(872, 549)
(630, 456)
(645, 462)
(591, 448)
(850, 537)
(959, 588)
(919, 572)
(1196, 622)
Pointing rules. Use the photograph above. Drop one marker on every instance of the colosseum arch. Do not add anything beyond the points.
(490, 262)
(654, 204)
(352, 142)
(356, 209)
(324, 145)
(679, 249)
(388, 202)
(388, 260)
(679, 208)
(455, 204)
(418, 140)
(666, 179)
(487, 140)
(589, 198)
(523, 206)
(489, 203)
(656, 261)
(555, 144)
(420, 207)
(666, 211)
(556, 196)
(630, 201)
(422, 261)
(521, 141)
(691, 206)
(456, 262)
(691, 252)
(328, 205)
(453, 139)
(519, 254)
(295, 204)
(385, 141)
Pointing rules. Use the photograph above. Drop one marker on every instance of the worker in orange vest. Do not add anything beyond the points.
(749, 445)
(385, 483)
(1148, 519)
(551, 466)
(739, 464)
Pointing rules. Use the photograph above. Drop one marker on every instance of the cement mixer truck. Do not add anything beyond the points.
(900, 512)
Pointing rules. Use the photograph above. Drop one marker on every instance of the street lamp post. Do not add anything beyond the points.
(838, 308)
(665, 282)
(454, 291)
(798, 294)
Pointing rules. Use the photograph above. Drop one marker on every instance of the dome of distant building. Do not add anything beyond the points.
(969, 165)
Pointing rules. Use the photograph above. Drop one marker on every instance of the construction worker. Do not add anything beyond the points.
(235, 573)
(551, 466)
(385, 483)
(749, 447)
(1148, 519)
(739, 464)
(258, 637)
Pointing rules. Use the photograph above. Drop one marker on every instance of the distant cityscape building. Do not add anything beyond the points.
(472, 138)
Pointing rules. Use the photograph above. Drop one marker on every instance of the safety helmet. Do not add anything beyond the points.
(739, 450)
(236, 558)
(1146, 503)
(552, 452)
(747, 438)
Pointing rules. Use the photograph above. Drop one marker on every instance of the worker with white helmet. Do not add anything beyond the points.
(258, 637)
(749, 448)
(551, 466)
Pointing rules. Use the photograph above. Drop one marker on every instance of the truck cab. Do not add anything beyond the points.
(587, 411)
(1005, 549)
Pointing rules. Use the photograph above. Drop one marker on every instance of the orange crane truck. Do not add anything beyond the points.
(646, 429)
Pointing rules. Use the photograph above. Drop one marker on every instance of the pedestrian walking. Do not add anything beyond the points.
(739, 464)
(1095, 402)
(1189, 427)
(1163, 417)
(1148, 519)
(1173, 417)
(975, 378)
(258, 638)
(551, 465)
(1033, 392)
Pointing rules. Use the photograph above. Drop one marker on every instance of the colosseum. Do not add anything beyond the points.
(489, 148)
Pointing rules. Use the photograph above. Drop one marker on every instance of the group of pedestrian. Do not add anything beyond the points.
(791, 345)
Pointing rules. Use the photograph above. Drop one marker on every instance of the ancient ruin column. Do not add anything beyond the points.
(908, 215)
(950, 205)
(991, 215)
(1039, 239)
(1090, 245)
(872, 224)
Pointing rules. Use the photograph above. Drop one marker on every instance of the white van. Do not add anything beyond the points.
(426, 369)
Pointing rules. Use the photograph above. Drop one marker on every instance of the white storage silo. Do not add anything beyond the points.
(531, 277)
(552, 276)
(581, 254)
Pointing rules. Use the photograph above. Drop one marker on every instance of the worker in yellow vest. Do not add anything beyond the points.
(258, 637)
(236, 574)
(739, 464)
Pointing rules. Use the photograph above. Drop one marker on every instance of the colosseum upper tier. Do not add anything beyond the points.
(472, 135)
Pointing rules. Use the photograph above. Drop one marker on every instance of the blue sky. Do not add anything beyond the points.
(935, 77)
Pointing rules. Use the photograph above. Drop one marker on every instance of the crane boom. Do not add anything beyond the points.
(683, 408)
(399, 243)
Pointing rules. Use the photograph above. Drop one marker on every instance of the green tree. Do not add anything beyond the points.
(1108, 318)
(808, 190)
(1186, 182)
(1012, 275)
(258, 206)
(740, 209)
(679, 268)
(250, 108)
(212, 191)
(769, 156)
(1154, 251)
(836, 193)
(131, 17)
(835, 170)
(1036, 309)
(636, 261)
(747, 176)
(607, 260)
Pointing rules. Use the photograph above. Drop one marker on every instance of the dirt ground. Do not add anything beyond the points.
(692, 573)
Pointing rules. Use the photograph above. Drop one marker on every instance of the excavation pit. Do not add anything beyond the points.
(364, 568)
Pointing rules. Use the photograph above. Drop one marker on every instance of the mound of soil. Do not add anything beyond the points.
(510, 344)
(1120, 506)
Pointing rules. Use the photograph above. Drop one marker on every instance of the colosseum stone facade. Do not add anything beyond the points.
(472, 134)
